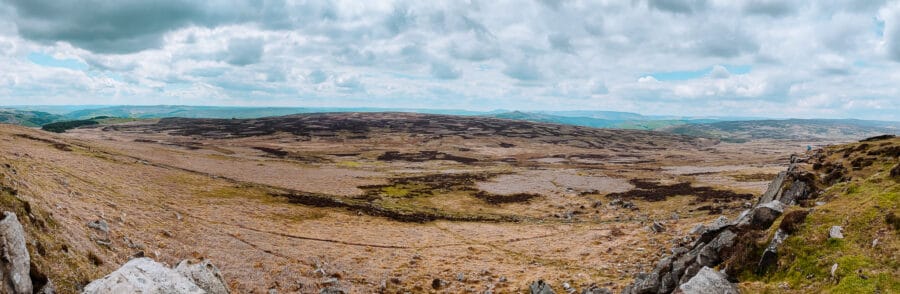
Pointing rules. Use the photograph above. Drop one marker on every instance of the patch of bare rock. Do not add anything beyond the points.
(143, 275)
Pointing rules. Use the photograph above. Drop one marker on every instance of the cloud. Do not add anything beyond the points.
(523, 70)
(891, 36)
(774, 8)
(104, 26)
(444, 71)
(719, 72)
(678, 6)
(244, 51)
(542, 54)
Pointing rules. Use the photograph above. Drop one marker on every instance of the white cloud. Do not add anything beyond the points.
(475, 54)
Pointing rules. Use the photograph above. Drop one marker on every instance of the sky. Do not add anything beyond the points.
(766, 58)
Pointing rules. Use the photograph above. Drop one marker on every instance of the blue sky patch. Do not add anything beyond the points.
(695, 74)
(47, 60)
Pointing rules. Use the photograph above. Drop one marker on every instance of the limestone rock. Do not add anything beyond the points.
(143, 275)
(14, 259)
(708, 281)
(205, 275)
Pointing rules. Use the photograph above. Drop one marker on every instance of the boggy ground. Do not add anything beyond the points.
(378, 202)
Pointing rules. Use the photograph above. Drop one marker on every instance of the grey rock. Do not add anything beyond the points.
(143, 275)
(770, 255)
(775, 188)
(649, 284)
(205, 275)
(667, 283)
(99, 225)
(762, 216)
(594, 289)
(708, 281)
(797, 191)
(836, 232)
(331, 290)
(14, 259)
(540, 287)
(657, 227)
(710, 254)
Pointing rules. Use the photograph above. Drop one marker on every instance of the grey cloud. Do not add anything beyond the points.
(560, 42)
(717, 40)
(599, 88)
(444, 71)
(128, 26)
(523, 70)
(678, 6)
(719, 72)
(244, 51)
(892, 33)
(103, 26)
(472, 49)
(317, 76)
(775, 8)
(399, 20)
(349, 84)
(355, 57)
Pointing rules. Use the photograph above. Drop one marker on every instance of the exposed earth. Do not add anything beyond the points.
(391, 202)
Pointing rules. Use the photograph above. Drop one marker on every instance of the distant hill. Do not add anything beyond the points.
(797, 129)
(27, 118)
(162, 111)
(599, 119)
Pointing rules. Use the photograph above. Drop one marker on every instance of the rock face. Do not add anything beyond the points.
(14, 262)
(717, 242)
(708, 281)
(143, 275)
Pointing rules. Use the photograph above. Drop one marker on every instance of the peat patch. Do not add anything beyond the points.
(423, 156)
(401, 215)
(497, 199)
(652, 191)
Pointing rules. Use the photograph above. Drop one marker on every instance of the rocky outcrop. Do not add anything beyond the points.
(143, 275)
(14, 259)
(716, 243)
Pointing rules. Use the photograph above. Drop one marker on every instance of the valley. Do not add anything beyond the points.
(392, 202)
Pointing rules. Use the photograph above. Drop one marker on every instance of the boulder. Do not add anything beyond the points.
(836, 232)
(539, 287)
(762, 216)
(708, 281)
(143, 275)
(15, 263)
(205, 275)
(709, 255)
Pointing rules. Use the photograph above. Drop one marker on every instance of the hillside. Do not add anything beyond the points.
(27, 118)
(828, 224)
(789, 129)
(367, 202)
